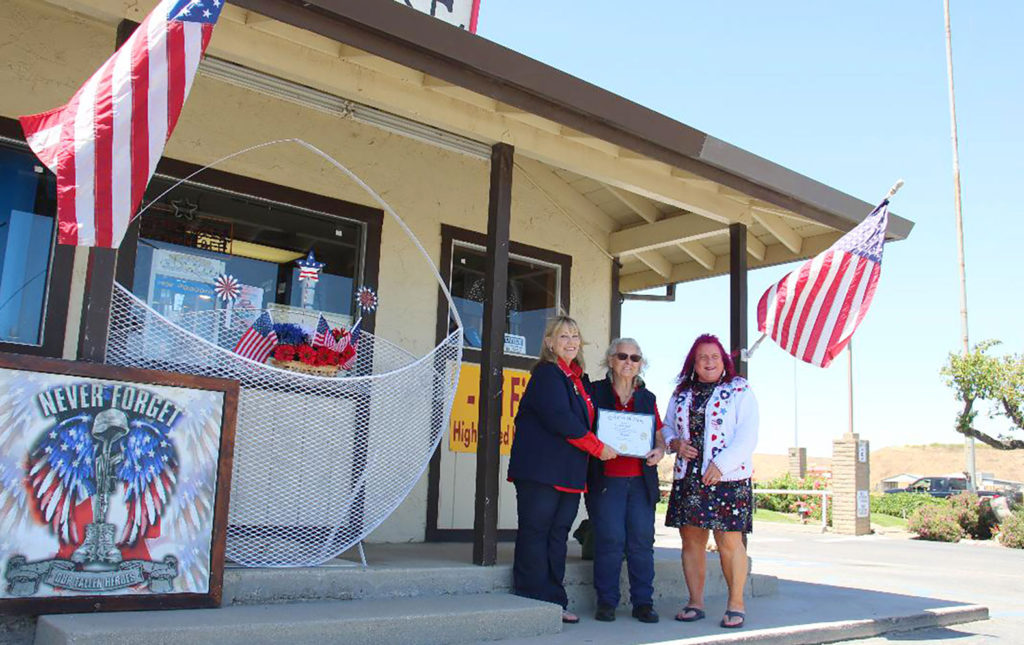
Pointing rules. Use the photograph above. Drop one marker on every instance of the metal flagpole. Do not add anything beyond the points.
(796, 433)
(849, 379)
(968, 441)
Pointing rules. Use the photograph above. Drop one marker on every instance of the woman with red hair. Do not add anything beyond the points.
(711, 425)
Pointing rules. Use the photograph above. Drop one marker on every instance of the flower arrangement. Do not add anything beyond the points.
(295, 351)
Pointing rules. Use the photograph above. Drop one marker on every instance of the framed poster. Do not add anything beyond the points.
(114, 486)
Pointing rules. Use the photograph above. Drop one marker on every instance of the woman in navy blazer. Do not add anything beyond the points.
(552, 445)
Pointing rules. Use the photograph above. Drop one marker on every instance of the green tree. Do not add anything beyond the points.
(997, 381)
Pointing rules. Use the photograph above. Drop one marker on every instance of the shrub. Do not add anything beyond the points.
(1011, 532)
(938, 523)
(974, 514)
(903, 504)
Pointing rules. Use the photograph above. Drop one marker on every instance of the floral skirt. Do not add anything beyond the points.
(725, 506)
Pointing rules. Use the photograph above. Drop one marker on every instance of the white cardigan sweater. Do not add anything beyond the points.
(730, 429)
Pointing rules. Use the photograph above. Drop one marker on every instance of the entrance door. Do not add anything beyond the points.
(538, 287)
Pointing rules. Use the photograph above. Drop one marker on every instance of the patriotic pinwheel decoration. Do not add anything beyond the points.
(227, 288)
(309, 268)
(367, 299)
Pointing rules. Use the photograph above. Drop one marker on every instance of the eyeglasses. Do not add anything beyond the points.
(636, 358)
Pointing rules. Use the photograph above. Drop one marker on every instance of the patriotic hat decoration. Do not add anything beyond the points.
(367, 299)
(227, 288)
(309, 268)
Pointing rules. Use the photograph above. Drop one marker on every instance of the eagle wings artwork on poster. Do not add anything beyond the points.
(106, 487)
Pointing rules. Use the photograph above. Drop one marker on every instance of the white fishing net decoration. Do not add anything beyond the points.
(319, 461)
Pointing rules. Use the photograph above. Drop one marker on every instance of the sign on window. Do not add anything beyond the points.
(461, 13)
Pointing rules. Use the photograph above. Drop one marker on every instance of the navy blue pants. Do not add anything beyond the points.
(545, 517)
(623, 517)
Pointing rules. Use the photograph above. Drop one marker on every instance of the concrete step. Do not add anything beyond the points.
(428, 620)
(394, 574)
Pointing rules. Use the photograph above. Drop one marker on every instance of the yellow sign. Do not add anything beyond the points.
(466, 412)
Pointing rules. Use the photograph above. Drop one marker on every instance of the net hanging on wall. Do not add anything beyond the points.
(319, 462)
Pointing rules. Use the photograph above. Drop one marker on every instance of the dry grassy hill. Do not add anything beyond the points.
(934, 459)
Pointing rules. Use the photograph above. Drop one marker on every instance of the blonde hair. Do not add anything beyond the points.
(555, 325)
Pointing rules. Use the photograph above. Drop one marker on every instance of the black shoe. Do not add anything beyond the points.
(645, 614)
(605, 613)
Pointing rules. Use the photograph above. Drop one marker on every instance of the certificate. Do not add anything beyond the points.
(630, 433)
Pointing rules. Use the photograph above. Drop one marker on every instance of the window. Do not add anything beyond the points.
(532, 298)
(27, 211)
(196, 233)
(537, 289)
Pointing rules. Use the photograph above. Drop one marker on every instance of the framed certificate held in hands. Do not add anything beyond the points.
(630, 434)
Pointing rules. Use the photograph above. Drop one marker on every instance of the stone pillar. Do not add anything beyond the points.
(851, 509)
(798, 462)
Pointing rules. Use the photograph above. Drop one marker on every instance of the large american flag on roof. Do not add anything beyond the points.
(813, 311)
(104, 144)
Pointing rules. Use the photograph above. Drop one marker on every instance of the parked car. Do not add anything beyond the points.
(940, 487)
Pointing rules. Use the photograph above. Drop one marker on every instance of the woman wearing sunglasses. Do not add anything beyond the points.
(623, 492)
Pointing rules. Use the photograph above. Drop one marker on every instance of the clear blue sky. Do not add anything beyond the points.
(853, 95)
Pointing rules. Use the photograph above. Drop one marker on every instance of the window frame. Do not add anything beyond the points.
(318, 206)
(56, 302)
(452, 235)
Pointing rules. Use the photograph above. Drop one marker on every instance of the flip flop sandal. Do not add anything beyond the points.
(698, 613)
(733, 614)
(570, 618)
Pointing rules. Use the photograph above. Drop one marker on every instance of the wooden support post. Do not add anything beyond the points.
(738, 295)
(99, 278)
(615, 319)
(499, 215)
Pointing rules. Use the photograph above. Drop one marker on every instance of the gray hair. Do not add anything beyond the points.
(613, 348)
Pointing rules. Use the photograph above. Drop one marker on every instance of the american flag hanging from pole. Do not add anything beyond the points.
(812, 312)
(104, 144)
(259, 340)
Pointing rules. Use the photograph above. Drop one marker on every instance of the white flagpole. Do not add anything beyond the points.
(968, 441)
(849, 379)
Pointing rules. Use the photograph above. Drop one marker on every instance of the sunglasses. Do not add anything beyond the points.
(636, 358)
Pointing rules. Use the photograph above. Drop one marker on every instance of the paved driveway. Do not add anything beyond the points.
(974, 573)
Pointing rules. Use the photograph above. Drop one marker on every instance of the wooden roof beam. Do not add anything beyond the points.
(689, 271)
(755, 247)
(665, 232)
(700, 254)
(564, 195)
(639, 205)
(779, 229)
(656, 261)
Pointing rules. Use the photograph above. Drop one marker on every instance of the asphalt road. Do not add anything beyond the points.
(973, 573)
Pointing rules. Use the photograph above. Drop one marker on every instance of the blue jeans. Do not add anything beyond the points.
(545, 516)
(623, 517)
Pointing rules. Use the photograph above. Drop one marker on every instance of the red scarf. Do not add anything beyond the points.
(575, 374)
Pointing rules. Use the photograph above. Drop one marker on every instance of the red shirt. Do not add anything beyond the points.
(627, 466)
(588, 443)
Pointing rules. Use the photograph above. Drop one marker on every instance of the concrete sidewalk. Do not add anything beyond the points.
(799, 613)
(802, 610)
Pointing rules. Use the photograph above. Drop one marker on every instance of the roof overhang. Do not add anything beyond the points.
(654, 193)
(388, 29)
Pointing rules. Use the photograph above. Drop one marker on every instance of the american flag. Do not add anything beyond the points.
(323, 337)
(349, 350)
(259, 340)
(812, 312)
(104, 144)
